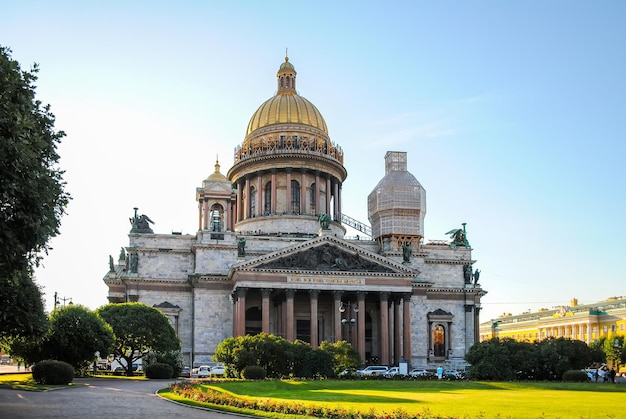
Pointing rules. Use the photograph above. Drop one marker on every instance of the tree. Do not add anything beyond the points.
(21, 308)
(32, 196)
(491, 360)
(75, 335)
(613, 347)
(271, 352)
(138, 329)
(507, 359)
(344, 356)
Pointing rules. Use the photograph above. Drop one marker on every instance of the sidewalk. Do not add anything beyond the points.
(12, 369)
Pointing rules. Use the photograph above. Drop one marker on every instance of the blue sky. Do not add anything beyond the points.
(511, 114)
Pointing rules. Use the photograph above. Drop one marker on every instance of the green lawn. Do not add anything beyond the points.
(463, 399)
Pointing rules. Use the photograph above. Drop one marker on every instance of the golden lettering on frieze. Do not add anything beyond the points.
(339, 281)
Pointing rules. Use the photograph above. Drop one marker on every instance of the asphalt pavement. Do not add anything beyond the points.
(99, 398)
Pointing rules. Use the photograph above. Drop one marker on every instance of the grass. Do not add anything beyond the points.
(24, 381)
(462, 399)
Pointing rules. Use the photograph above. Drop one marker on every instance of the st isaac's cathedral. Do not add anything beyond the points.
(271, 253)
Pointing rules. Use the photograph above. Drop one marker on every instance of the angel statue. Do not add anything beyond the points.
(140, 224)
(324, 220)
(459, 237)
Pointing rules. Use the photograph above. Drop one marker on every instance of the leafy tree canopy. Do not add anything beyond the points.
(32, 195)
(508, 359)
(138, 329)
(75, 335)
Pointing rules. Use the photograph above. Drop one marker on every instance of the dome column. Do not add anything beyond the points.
(317, 193)
(289, 206)
(246, 207)
(328, 194)
(273, 206)
(259, 195)
(238, 201)
(336, 207)
(303, 207)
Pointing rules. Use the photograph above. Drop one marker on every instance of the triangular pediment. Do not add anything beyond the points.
(327, 254)
(218, 188)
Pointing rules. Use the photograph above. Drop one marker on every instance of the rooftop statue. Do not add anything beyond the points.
(324, 220)
(241, 246)
(140, 224)
(459, 237)
(406, 253)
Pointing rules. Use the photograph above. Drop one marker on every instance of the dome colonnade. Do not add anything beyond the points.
(287, 166)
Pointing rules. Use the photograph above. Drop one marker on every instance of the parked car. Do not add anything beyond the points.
(453, 375)
(391, 372)
(372, 370)
(217, 370)
(185, 372)
(201, 371)
(421, 373)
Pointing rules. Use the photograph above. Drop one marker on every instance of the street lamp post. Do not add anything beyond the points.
(349, 321)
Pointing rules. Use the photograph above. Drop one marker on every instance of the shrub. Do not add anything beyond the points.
(159, 370)
(53, 372)
(576, 376)
(253, 372)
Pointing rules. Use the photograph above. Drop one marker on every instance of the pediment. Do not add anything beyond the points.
(327, 254)
(218, 188)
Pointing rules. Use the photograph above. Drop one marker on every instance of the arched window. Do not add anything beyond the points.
(268, 199)
(252, 201)
(282, 82)
(439, 340)
(295, 196)
(312, 198)
(287, 81)
(217, 216)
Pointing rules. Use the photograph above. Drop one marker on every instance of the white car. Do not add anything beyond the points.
(420, 372)
(372, 370)
(217, 370)
(391, 372)
(202, 371)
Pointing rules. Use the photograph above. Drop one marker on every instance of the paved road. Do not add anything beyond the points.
(99, 398)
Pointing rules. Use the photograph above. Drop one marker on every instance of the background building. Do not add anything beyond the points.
(586, 322)
(271, 252)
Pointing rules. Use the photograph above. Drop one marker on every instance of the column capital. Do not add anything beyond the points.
(290, 292)
(314, 293)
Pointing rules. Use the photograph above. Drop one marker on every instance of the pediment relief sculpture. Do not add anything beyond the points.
(326, 258)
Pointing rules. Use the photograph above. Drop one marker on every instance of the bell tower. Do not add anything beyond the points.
(397, 206)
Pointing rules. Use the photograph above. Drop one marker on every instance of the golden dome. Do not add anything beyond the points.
(287, 107)
(217, 176)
